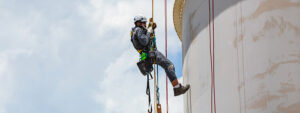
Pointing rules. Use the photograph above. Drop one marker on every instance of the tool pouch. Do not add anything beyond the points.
(145, 67)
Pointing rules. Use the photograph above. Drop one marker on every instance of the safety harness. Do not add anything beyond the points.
(144, 51)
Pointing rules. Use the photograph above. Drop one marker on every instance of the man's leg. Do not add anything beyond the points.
(170, 71)
(168, 66)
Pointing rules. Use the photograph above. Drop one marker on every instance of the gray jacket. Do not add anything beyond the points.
(140, 38)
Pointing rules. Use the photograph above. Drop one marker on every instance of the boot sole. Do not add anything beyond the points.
(188, 87)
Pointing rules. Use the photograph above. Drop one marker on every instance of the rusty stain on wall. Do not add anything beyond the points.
(237, 40)
(286, 87)
(263, 98)
(273, 68)
(262, 102)
(295, 28)
(294, 108)
(255, 38)
(269, 5)
(282, 25)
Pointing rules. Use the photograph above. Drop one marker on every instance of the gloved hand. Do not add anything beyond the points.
(150, 30)
(152, 24)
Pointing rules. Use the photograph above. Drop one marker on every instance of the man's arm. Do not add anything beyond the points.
(144, 39)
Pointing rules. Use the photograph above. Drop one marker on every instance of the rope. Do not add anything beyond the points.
(152, 9)
(155, 88)
(156, 81)
(148, 93)
(166, 52)
(212, 55)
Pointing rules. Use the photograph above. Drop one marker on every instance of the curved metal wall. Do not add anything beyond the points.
(257, 56)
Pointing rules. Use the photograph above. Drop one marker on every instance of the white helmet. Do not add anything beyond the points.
(140, 18)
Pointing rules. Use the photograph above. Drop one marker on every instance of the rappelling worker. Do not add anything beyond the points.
(142, 38)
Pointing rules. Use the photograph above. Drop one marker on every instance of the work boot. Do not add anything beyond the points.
(181, 89)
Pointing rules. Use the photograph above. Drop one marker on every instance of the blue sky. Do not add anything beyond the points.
(75, 56)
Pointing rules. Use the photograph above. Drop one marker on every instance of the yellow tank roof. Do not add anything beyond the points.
(177, 16)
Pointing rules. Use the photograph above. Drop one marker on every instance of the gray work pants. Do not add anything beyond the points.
(166, 64)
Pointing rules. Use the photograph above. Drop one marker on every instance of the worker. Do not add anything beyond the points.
(141, 39)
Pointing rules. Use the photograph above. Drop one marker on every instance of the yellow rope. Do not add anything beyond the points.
(152, 8)
(155, 83)
(157, 107)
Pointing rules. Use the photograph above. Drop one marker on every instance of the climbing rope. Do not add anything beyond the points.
(166, 52)
(152, 8)
(153, 46)
(155, 88)
(212, 55)
(157, 105)
(148, 93)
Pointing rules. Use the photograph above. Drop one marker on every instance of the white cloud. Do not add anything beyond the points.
(4, 92)
(7, 77)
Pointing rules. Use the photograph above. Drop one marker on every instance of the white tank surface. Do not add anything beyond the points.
(257, 55)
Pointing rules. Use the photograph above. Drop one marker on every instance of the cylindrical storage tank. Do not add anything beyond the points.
(257, 55)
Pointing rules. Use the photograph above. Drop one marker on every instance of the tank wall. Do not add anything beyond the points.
(257, 56)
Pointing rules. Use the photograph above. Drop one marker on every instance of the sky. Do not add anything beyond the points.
(75, 56)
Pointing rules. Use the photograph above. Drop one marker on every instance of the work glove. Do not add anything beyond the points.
(152, 24)
(150, 30)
